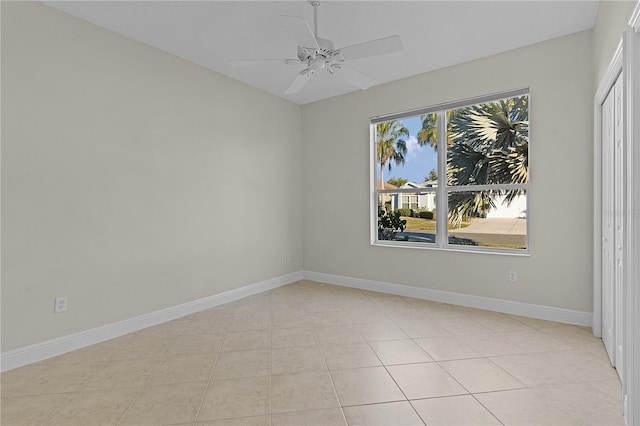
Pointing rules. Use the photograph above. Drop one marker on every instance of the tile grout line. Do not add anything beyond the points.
(142, 388)
(213, 367)
(393, 378)
(495, 416)
(74, 393)
(333, 385)
(438, 362)
(382, 364)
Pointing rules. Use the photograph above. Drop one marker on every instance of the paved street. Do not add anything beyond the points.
(495, 231)
(492, 231)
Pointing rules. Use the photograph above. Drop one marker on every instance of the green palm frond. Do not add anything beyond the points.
(464, 205)
(428, 134)
(492, 125)
(488, 144)
(467, 166)
(511, 166)
(390, 147)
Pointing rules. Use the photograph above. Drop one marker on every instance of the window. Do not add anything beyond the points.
(409, 201)
(453, 176)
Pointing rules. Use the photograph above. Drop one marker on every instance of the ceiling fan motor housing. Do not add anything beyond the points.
(325, 51)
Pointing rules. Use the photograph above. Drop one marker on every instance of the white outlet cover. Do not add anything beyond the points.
(60, 305)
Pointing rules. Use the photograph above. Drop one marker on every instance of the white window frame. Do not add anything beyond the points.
(443, 189)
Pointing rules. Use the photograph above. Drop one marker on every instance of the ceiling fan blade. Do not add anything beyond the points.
(300, 29)
(299, 82)
(355, 78)
(381, 46)
(253, 62)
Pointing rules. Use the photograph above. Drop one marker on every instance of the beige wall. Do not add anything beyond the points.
(611, 22)
(337, 172)
(132, 180)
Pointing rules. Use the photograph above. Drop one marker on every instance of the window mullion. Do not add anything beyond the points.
(441, 195)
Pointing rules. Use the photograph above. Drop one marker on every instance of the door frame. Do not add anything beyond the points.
(627, 59)
(605, 86)
(631, 309)
(610, 135)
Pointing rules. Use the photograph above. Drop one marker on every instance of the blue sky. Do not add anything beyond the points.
(419, 159)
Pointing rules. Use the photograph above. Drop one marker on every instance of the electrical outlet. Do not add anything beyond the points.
(513, 276)
(60, 305)
(286, 258)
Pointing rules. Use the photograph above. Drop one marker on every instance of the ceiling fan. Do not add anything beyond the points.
(319, 53)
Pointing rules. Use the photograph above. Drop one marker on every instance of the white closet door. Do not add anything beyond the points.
(608, 231)
(619, 222)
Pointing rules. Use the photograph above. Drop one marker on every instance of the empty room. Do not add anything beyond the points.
(320, 213)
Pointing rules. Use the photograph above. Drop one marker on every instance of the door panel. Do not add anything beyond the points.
(608, 232)
(619, 221)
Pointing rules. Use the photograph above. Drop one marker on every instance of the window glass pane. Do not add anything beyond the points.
(488, 218)
(488, 143)
(413, 224)
(406, 153)
(420, 217)
(390, 223)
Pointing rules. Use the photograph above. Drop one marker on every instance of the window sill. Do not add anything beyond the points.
(458, 249)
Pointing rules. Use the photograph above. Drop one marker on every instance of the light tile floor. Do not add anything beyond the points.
(316, 354)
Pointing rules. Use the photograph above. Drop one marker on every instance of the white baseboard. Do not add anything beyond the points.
(498, 305)
(40, 351)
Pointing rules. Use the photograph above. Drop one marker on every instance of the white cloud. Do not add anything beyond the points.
(413, 147)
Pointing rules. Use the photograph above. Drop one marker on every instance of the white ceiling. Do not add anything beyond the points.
(435, 34)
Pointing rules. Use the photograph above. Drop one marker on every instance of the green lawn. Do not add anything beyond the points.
(420, 224)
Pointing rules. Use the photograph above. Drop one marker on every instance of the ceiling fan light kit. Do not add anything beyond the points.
(319, 53)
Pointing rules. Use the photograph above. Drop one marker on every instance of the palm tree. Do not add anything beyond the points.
(429, 131)
(488, 144)
(390, 146)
